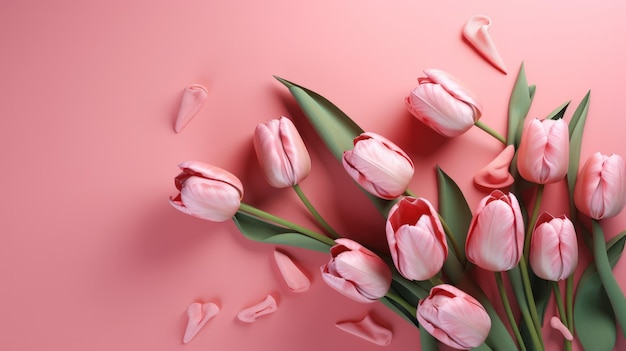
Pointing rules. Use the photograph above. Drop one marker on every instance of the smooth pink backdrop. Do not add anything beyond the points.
(94, 258)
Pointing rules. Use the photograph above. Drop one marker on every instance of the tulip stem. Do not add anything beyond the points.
(561, 307)
(490, 131)
(455, 244)
(509, 311)
(316, 215)
(402, 302)
(533, 218)
(569, 302)
(531, 300)
(285, 223)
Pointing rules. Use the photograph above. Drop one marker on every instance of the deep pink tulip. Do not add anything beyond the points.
(443, 103)
(454, 317)
(600, 190)
(379, 166)
(207, 192)
(495, 240)
(356, 272)
(553, 248)
(281, 152)
(543, 153)
(416, 239)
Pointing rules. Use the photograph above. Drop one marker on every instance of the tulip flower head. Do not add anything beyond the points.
(543, 153)
(416, 239)
(379, 166)
(553, 248)
(600, 190)
(443, 103)
(356, 272)
(207, 192)
(454, 317)
(281, 152)
(495, 240)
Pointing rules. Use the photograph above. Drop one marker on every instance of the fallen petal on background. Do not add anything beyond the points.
(264, 307)
(496, 174)
(194, 97)
(296, 280)
(199, 314)
(367, 329)
(476, 33)
(556, 323)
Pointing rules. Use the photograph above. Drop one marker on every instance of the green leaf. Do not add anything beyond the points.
(427, 341)
(455, 211)
(558, 112)
(262, 231)
(576, 128)
(519, 105)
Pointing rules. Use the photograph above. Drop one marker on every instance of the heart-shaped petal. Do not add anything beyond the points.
(296, 280)
(194, 97)
(367, 329)
(264, 307)
(199, 314)
(476, 33)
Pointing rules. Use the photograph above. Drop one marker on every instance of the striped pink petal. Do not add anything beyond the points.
(296, 280)
(367, 329)
(252, 313)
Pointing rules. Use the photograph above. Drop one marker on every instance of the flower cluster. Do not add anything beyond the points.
(423, 279)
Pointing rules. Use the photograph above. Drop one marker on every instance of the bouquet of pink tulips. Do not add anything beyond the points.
(433, 249)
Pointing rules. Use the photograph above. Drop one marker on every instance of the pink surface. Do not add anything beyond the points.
(93, 256)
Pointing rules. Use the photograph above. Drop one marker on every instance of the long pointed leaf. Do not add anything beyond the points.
(454, 209)
(559, 112)
(576, 128)
(519, 105)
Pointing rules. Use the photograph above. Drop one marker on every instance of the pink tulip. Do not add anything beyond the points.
(495, 240)
(416, 239)
(356, 272)
(543, 153)
(379, 166)
(281, 152)
(600, 190)
(442, 102)
(454, 317)
(553, 248)
(207, 192)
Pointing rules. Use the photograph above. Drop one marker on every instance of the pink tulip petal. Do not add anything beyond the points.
(456, 88)
(343, 286)
(194, 97)
(199, 314)
(367, 329)
(296, 280)
(476, 32)
(495, 175)
(209, 171)
(556, 323)
(264, 307)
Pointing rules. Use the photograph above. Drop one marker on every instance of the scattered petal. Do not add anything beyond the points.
(476, 33)
(496, 174)
(194, 97)
(296, 280)
(264, 307)
(367, 329)
(199, 314)
(556, 323)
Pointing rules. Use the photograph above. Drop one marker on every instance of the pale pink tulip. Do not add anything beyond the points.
(454, 317)
(207, 192)
(495, 240)
(356, 272)
(379, 166)
(281, 152)
(416, 238)
(443, 103)
(553, 248)
(600, 190)
(543, 153)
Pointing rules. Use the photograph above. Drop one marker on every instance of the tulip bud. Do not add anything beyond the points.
(543, 153)
(454, 317)
(495, 240)
(379, 166)
(600, 190)
(356, 272)
(442, 102)
(553, 248)
(416, 239)
(207, 192)
(281, 152)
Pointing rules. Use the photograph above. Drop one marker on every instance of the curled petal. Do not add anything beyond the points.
(476, 32)
(198, 314)
(367, 329)
(456, 88)
(209, 171)
(496, 174)
(194, 97)
(296, 280)
(556, 323)
(264, 307)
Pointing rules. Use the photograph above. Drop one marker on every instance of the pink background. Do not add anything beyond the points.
(94, 258)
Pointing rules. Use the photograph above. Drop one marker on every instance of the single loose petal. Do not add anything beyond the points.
(556, 323)
(199, 314)
(367, 329)
(296, 280)
(252, 313)
(194, 97)
(476, 32)
(496, 174)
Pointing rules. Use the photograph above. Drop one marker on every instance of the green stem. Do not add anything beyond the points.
(509, 311)
(490, 131)
(531, 300)
(280, 221)
(525, 310)
(561, 307)
(532, 220)
(311, 208)
(569, 303)
(455, 244)
(402, 302)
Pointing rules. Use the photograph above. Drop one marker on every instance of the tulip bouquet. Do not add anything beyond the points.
(433, 250)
